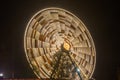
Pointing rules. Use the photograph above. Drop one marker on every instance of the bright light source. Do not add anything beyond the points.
(66, 46)
(78, 70)
(1, 74)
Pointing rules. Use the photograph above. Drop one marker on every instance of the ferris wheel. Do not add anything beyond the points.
(59, 46)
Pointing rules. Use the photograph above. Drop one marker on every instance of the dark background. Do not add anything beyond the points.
(100, 17)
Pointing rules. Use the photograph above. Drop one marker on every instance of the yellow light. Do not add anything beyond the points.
(66, 46)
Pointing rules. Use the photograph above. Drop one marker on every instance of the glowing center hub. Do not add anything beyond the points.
(66, 46)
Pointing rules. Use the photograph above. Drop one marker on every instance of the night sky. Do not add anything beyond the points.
(100, 17)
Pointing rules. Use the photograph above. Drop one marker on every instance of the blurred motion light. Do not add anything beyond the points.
(51, 30)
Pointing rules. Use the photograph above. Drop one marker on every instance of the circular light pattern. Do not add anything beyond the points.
(47, 30)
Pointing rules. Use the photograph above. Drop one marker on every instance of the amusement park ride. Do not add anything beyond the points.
(58, 46)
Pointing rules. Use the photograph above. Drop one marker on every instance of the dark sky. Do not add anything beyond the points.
(100, 17)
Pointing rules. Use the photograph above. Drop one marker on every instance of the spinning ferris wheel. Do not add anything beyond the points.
(59, 46)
